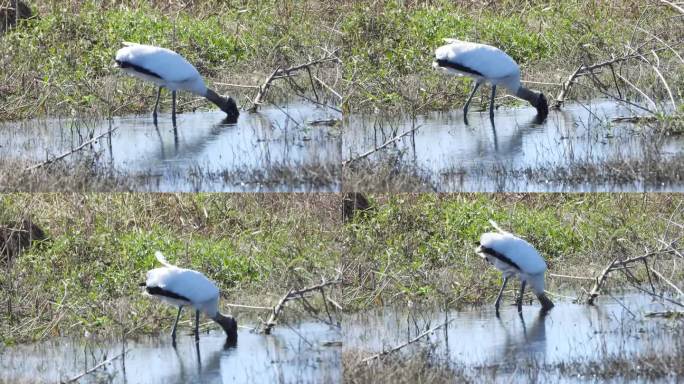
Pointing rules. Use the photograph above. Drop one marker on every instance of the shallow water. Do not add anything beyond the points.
(517, 154)
(298, 354)
(569, 334)
(277, 149)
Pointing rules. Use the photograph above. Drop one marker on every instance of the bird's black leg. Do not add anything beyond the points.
(156, 105)
(520, 298)
(173, 106)
(196, 326)
(491, 103)
(173, 332)
(470, 97)
(498, 298)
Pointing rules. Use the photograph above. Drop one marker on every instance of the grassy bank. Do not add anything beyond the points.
(421, 247)
(85, 277)
(257, 246)
(389, 46)
(60, 62)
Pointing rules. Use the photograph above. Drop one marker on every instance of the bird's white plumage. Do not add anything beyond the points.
(201, 292)
(516, 249)
(495, 65)
(175, 71)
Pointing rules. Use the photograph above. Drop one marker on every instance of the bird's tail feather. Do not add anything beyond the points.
(496, 226)
(160, 257)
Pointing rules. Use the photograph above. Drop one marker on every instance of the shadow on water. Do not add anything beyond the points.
(515, 347)
(275, 149)
(297, 354)
(579, 148)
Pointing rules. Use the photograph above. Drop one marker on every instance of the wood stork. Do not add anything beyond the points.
(514, 256)
(170, 70)
(485, 63)
(184, 287)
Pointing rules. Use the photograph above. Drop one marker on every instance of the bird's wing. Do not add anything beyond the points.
(489, 61)
(185, 282)
(522, 253)
(163, 62)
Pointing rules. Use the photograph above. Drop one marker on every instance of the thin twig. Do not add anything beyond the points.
(385, 144)
(93, 369)
(68, 153)
(398, 347)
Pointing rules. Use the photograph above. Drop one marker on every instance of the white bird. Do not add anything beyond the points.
(514, 256)
(485, 63)
(184, 287)
(170, 70)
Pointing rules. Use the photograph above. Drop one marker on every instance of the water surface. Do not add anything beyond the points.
(579, 148)
(276, 149)
(303, 353)
(475, 339)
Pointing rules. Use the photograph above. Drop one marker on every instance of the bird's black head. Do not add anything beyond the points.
(542, 107)
(228, 105)
(229, 325)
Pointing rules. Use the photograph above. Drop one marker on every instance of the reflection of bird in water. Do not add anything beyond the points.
(485, 63)
(514, 256)
(184, 287)
(168, 69)
(191, 148)
(531, 343)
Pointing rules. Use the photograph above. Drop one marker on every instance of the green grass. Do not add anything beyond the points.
(389, 45)
(64, 57)
(258, 246)
(421, 247)
(86, 276)
(60, 63)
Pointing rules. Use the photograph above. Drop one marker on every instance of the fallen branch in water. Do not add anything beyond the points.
(385, 144)
(93, 369)
(71, 152)
(623, 265)
(284, 73)
(295, 294)
(585, 70)
(400, 346)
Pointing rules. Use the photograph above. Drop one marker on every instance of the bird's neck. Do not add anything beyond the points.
(537, 99)
(526, 94)
(226, 104)
(229, 325)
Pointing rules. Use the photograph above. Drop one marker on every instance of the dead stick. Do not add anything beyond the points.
(388, 142)
(668, 282)
(276, 311)
(65, 154)
(292, 294)
(599, 282)
(398, 347)
(262, 91)
(75, 378)
(560, 99)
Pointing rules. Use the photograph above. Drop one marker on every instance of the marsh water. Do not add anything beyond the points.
(284, 148)
(580, 148)
(512, 346)
(280, 148)
(303, 353)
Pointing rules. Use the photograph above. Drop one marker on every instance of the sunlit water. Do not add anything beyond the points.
(277, 149)
(304, 353)
(516, 153)
(476, 338)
